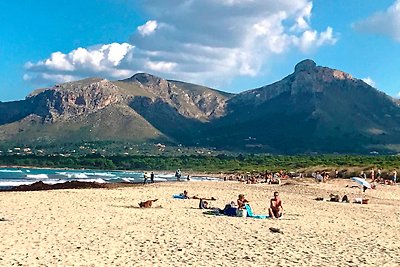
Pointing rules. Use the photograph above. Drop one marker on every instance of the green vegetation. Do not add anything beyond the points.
(219, 163)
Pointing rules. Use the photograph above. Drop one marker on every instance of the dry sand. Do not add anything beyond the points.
(105, 227)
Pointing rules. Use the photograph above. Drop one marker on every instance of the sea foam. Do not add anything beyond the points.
(37, 176)
(73, 175)
(11, 171)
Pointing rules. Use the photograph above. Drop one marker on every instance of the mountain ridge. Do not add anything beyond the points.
(313, 109)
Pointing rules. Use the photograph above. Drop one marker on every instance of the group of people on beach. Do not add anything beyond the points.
(260, 177)
(178, 175)
(390, 178)
(275, 209)
(146, 176)
(323, 176)
(378, 177)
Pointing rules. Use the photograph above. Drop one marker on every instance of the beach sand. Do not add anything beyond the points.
(105, 227)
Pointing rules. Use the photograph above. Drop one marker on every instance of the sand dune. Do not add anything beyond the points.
(105, 227)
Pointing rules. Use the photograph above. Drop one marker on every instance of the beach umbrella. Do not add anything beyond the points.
(361, 181)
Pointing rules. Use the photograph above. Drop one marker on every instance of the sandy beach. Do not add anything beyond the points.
(105, 227)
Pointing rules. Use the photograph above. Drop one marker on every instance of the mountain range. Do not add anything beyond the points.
(314, 109)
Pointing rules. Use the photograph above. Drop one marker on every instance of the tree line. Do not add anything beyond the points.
(219, 163)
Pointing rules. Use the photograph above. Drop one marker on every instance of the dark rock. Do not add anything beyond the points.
(275, 230)
(37, 186)
(305, 65)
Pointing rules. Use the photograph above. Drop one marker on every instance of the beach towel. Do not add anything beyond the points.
(251, 215)
(178, 196)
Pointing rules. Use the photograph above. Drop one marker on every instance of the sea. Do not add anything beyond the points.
(11, 177)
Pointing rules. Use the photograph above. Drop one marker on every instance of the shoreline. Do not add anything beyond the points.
(77, 183)
(191, 173)
(42, 186)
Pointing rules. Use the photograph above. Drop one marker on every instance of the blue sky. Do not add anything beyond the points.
(232, 45)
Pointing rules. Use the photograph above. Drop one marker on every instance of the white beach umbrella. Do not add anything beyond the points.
(361, 181)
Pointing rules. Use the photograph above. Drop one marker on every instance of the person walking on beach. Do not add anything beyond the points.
(152, 177)
(378, 175)
(145, 176)
(276, 208)
(394, 176)
(178, 174)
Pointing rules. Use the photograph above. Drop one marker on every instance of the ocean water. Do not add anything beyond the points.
(10, 177)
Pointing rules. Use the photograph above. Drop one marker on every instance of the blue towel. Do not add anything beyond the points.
(179, 196)
(251, 215)
(230, 211)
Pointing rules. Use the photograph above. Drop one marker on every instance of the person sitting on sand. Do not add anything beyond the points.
(326, 177)
(241, 201)
(318, 176)
(276, 208)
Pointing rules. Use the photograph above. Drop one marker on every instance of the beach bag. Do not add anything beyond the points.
(241, 213)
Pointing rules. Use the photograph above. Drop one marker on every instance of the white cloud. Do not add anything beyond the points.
(303, 19)
(311, 39)
(43, 78)
(369, 81)
(383, 22)
(203, 41)
(160, 66)
(81, 62)
(148, 28)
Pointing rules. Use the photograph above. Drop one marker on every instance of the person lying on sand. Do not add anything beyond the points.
(334, 198)
(185, 195)
(203, 204)
(204, 198)
(241, 201)
(276, 208)
(229, 209)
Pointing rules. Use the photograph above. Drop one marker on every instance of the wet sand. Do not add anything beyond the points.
(105, 227)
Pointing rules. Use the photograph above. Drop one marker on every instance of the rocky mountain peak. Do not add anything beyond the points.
(146, 79)
(307, 78)
(305, 65)
(72, 99)
(307, 70)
